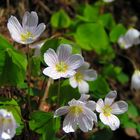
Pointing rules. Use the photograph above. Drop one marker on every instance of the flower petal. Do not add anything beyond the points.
(99, 105)
(64, 51)
(38, 31)
(50, 57)
(29, 20)
(83, 87)
(91, 105)
(90, 114)
(15, 29)
(69, 124)
(84, 97)
(112, 121)
(90, 75)
(75, 61)
(85, 66)
(61, 111)
(119, 107)
(50, 72)
(110, 97)
(73, 82)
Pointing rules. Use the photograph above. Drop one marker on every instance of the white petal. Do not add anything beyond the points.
(29, 20)
(84, 97)
(50, 72)
(110, 97)
(99, 105)
(15, 29)
(91, 105)
(83, 87)
(50, 57)
(90, 114)
(90, 75)
(135, 80)
(61, 111)
(119, 107)
(85, 66)
(73, 82)
(39, 30)
(112, 121)
(68, 74)
(74, 102)
(64, 51)
(69, 124)
(75, 61)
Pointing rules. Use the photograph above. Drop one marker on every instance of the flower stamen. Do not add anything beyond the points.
(26, 36)
(107, 110)
(76, 110)
(61, 67)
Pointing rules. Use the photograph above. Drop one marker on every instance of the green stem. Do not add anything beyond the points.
(58, 93)
(29, 77)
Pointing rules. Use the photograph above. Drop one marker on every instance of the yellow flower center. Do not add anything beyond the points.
(78, 77)
(76, 110)
(26, 36)
(107, 110)
(61, 67)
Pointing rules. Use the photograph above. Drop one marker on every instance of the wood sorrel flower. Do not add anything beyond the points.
(7, 125)
(135, 80)
(29, 31)
(129, 39)
(108, 108)
(79, 114)
(62, 63)
(82, 75)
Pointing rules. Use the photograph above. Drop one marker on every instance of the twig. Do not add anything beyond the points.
(45, 94)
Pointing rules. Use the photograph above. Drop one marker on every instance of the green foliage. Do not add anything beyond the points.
(111, 71)
(92, 36)
(116, 32)
(12, 71)
(45, 124)
(107, 21)
(90, 13)
(60, 19)
(99, 87)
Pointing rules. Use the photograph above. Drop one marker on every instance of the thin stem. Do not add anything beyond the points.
(130, 60)
(43, 100)
(58, 93)
(29, 76)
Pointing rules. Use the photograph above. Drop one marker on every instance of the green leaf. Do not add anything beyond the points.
(107, 21)
(12, 64)
(60, 19)
(91, 13)
(67, 93)
(12, 67)
(4, 44)
(44, 123)
(116, 32)
(92, 36)
(99, 87)
(132, 110)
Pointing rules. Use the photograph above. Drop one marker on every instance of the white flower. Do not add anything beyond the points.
(37, 48)
(129, 39)
(62, 63)
(135, 80)
(29, 31)
(108, 0)
(79, 114)
(82, 75)
(108, 108)
(7, 125)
